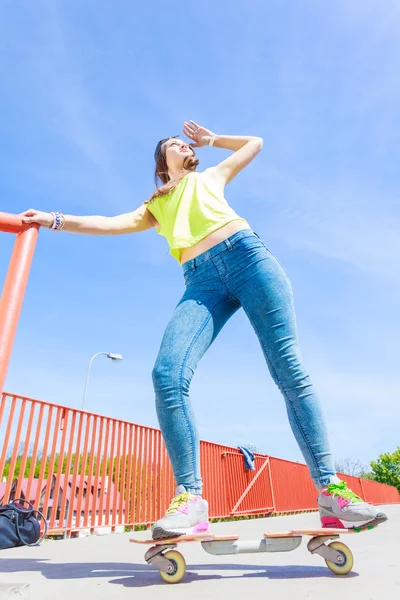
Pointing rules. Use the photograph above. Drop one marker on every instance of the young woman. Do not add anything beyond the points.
(226, 266)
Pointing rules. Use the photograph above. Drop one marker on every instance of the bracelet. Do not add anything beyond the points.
(212, 139)
(58, 221)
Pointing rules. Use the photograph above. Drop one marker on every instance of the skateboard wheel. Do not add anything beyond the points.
(345, 553)
(179, 567)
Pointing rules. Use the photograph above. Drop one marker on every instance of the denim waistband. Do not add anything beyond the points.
(221, 247)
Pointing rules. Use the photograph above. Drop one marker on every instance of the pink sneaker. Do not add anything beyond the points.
(187, 514)
(340, 507)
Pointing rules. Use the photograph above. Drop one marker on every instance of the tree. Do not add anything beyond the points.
(252, 447)
(350, 466)
(386, 469)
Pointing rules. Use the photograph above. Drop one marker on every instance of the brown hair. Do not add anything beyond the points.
(161, 171)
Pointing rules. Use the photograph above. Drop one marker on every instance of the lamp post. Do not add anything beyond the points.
(108, 355)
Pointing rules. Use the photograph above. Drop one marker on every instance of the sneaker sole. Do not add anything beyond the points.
(159, 533)
(380, 518)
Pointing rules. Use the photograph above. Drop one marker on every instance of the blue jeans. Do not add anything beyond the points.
(238, 272)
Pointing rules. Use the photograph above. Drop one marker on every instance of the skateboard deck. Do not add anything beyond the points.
(199, 537)
(318, 531)
(210, 537)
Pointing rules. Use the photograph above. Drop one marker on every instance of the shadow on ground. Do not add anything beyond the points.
(142, 575)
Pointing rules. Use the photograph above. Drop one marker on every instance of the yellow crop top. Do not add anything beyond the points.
(195, 208)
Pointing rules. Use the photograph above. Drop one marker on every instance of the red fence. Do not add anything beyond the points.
(84, 470)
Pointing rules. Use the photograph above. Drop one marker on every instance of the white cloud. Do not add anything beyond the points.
(360, 229)
(63, 100)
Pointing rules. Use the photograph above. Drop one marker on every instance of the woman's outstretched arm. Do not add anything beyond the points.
(132, 222)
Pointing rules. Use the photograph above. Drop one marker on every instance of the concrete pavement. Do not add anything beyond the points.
(110, 567)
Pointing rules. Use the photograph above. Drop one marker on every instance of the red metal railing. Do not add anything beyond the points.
(84, 470)
(15, 283)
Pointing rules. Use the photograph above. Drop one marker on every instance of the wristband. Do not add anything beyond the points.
(212, 139)
(58, 221)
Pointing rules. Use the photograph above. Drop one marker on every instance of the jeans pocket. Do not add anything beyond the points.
(246, 244)
(188, 273)
(277, 260)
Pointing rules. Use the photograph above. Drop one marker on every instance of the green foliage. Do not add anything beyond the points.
(386, 469)
(367, 475)
(56, 466)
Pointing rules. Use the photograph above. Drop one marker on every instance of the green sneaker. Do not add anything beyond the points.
(341, 508)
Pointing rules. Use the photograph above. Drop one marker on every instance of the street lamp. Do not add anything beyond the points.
(113, 357)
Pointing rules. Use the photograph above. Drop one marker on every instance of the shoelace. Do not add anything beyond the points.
(341, 489)
(177, 501)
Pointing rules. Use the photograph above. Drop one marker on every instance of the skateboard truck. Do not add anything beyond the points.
(317, 546)
(154, 556)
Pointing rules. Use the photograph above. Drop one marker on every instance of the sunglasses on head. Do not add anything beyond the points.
(160, 143)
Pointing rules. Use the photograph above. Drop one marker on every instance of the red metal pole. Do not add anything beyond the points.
(11, 223)
(15, 284)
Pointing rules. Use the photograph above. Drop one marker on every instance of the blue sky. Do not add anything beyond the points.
(87, 89)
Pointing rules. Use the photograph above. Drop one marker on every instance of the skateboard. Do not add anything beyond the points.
(172, 566)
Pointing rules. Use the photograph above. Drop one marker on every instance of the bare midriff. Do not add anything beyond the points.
(212, 239)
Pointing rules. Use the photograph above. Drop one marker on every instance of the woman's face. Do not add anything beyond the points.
(175, 153)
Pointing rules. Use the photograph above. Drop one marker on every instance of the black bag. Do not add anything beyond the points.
(20, 526)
